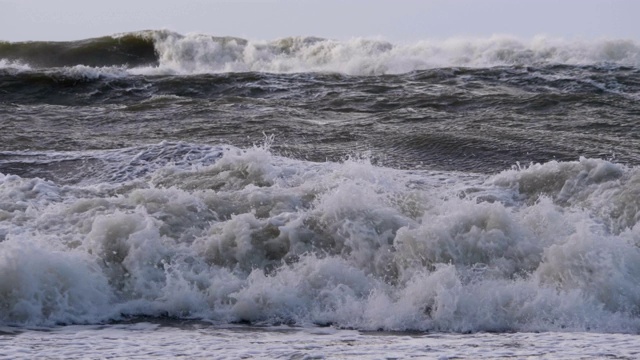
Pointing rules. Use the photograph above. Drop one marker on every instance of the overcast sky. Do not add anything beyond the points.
(396, 20)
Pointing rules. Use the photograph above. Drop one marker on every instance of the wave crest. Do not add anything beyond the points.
(166, 52)
(204, 54)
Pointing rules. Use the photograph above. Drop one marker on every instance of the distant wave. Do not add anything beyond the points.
(166, 52)
(133, 49)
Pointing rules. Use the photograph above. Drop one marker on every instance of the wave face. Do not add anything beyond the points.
(165, 52)
(135, 49)
(232, 235)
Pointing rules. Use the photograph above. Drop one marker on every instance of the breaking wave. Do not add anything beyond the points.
(165, 52)
(240, 235)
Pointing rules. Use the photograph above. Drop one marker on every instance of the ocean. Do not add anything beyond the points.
(168, 195)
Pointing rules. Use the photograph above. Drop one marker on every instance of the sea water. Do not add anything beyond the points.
(169, 195)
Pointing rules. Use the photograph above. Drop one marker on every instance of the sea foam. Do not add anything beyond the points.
(195, 53)
(236, 235)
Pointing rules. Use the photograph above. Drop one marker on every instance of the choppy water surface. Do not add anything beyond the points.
(427, 189)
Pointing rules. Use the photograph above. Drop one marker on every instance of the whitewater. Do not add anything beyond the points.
(169, 195)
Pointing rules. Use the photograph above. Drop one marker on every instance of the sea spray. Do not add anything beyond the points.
(261, 238)
(169, 53)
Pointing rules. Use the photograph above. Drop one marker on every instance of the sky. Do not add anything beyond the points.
(395, 20)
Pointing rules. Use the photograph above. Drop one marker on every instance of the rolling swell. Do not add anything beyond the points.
(481, 120)
(133, 49)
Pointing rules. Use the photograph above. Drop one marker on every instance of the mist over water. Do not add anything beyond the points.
(456, 186)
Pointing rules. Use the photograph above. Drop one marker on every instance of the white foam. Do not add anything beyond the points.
(77, 71)
(92, 73)
(227, 234)
(14, 66)
(197, 53)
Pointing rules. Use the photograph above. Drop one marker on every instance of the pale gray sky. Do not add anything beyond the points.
(399, 20)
